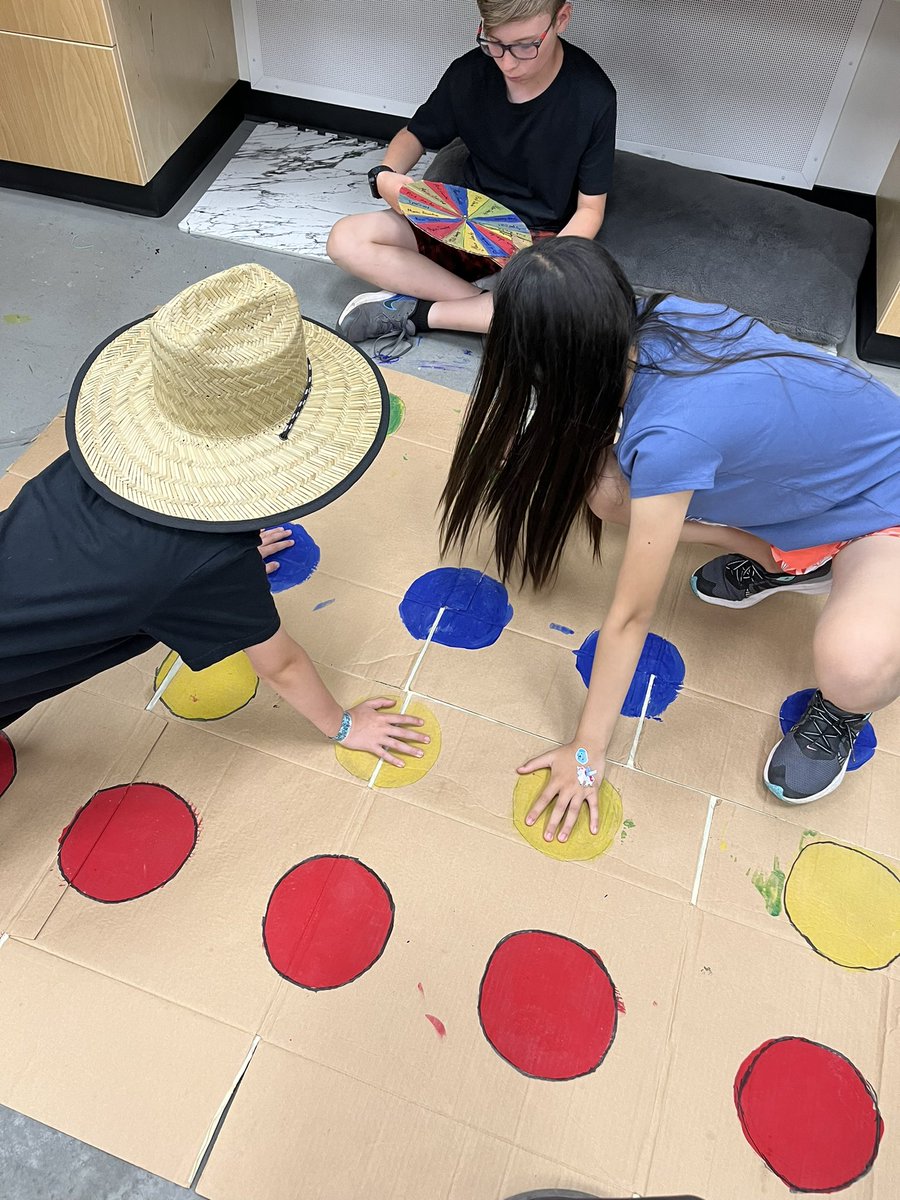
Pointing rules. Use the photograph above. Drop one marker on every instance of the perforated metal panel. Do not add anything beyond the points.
(753, 87)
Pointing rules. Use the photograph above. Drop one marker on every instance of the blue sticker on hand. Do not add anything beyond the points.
(477, 608)
(297, 563)
(794, 708)
(658, 658)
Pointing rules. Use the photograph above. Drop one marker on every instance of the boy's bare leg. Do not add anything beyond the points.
(381, 248)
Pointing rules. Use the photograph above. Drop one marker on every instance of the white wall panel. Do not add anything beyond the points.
(750, 87)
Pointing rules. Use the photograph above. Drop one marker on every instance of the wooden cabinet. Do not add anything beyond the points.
(888, 249)
(109, 88)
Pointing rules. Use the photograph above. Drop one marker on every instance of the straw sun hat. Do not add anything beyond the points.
(226, 410)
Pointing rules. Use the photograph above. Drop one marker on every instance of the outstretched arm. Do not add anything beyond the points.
(654, 530)
(287, 668)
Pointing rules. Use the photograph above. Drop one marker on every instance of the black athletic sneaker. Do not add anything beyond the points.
(737, 582)
(811, 759)
(384, 316)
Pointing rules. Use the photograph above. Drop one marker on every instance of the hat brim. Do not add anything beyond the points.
(130, 454)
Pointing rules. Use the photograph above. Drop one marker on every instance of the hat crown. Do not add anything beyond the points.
(228, 354)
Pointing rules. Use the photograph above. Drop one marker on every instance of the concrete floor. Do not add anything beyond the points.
(71, 274)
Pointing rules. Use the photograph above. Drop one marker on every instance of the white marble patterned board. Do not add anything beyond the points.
(286, 187)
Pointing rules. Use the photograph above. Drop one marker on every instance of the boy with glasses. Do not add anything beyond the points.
(537, 116)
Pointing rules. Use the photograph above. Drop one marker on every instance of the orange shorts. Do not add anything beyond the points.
(801, 562)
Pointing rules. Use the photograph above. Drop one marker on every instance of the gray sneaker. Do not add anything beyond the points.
(384, 316)
(811, 759)
(733, 581)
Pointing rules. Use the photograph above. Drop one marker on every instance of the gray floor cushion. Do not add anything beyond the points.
(790, 262)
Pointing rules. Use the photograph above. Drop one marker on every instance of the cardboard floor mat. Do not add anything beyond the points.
(57, 758)
(507, 993)
(775, 1077)
(297, 1128)
(135, 1075)
(196, 938)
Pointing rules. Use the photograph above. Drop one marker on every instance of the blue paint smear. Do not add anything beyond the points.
(324, 604)
(297, 563)
(562, 629)
(478, 607)
(794, 708)
(658, 657)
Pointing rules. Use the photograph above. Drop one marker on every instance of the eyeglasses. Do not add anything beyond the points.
(522, 50)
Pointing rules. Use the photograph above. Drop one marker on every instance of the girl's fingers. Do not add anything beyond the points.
(398, 744)
(543, 801)
(571, 817)
(403, 719)
(407, 735)
(556, 816)
(594, 808)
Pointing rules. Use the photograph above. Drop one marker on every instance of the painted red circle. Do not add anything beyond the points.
(547, 1005)
(127, 841)
(808, 1113)
(7, 762)
(328, 920)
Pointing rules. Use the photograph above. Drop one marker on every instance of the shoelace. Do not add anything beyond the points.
(822, 730)
(745, 573)
(395, 344)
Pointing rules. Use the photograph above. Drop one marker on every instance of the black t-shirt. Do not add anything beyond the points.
(85, 586)
(533, 157)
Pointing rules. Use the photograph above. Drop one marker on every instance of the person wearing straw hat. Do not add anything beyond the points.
(188, 431)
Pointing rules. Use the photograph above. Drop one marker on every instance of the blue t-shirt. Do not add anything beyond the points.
(799, 452)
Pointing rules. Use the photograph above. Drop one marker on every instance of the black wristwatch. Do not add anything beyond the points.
(373, 176)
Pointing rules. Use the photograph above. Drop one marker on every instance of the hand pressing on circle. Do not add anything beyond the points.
(564, 791)
(385, 734)
(273, 541)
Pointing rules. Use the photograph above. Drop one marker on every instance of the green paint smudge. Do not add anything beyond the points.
(398, 412)
(15, 319)
(771, 888)
(626, 825)
(808, 833)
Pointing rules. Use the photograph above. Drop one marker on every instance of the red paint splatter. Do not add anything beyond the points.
(421, 990)
(547, 1005)
(808, 1113)
(620, 1003)
(438, 1024)
(328, 920)
(127, 841)
(7, 762)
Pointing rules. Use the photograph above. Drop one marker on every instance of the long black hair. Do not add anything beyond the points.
(546, 403)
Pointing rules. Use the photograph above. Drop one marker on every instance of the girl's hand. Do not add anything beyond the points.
(273, 541)
(564, 791)
(380, 733)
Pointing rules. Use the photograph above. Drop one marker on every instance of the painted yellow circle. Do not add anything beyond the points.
(211, 694)
(846, 904)
(582, 844)
(362, 764)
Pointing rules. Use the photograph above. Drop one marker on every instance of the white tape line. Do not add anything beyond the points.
(170, 675)
(431, 632)
(404, 706)
(217, 1119)
(695, 891)
(4, 938)
(637, 733)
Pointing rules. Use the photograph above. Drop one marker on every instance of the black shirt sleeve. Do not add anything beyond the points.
(434, 122)
(595, 171)
(221, 608)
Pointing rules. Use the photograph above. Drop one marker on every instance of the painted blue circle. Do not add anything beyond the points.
(794, 708)
(477, 608)
(297, 563)
(658, 658)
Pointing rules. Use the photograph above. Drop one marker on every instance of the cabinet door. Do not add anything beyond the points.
(68, 20)
(62, 105)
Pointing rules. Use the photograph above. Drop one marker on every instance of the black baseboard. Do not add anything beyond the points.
(314, 114)
(153, 199)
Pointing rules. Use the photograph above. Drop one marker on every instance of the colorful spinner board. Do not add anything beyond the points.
(464, 219)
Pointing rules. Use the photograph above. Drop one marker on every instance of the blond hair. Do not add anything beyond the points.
(495, 13)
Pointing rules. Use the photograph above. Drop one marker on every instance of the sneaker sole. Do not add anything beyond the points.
(818, 588)
(776, 790)
(363, 298)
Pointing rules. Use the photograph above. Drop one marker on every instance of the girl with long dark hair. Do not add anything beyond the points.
(684, 422)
